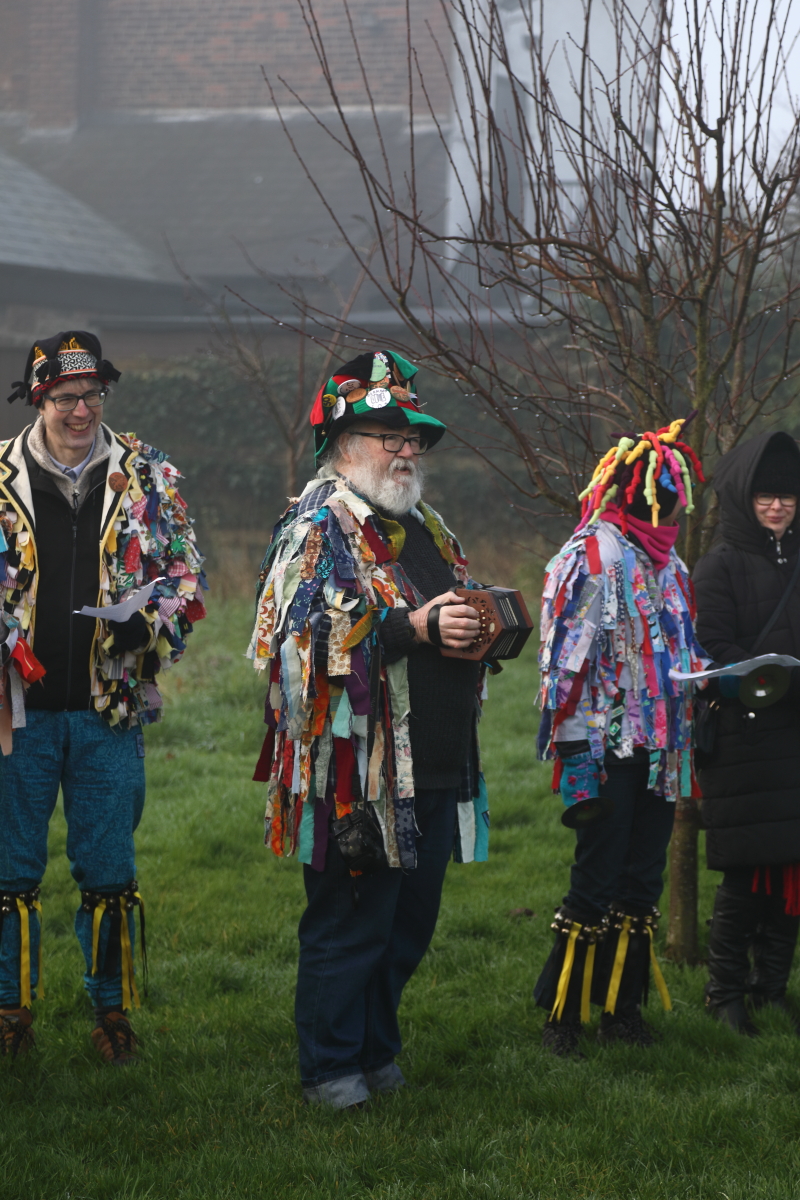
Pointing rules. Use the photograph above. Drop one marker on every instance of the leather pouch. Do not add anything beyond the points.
(358, 836)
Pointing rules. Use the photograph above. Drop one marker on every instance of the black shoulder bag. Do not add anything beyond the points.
(358, 833)
(707, 722)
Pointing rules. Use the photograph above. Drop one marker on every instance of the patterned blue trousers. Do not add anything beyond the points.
(101, 773)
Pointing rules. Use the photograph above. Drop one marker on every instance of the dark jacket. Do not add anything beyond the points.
(442, 691)
(751, 782)
(68, 544)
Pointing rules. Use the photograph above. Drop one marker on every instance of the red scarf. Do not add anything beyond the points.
(655, 540)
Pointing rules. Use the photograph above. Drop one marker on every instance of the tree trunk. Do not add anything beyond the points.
(682, 932)
(291, 472)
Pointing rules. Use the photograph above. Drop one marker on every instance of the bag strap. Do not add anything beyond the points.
(784, 600)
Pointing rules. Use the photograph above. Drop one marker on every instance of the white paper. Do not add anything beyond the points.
(740, 668)
(124, 611)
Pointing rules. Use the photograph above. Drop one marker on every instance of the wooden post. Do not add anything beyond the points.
(682, 932)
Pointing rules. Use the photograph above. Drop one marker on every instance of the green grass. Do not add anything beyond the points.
(214, 1109)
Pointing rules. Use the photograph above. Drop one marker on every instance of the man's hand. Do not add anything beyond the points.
(132, 635)
(458, 625)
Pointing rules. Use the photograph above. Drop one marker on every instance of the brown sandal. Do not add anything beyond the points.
(16, 1034)
(115, 1040)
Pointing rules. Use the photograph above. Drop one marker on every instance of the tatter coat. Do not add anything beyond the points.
(751, 782)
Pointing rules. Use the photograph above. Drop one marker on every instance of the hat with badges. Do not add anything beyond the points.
(375, 385)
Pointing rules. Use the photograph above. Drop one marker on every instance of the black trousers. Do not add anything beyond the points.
(621, 858)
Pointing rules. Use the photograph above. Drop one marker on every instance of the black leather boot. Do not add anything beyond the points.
(773, 952)
(734, 926)
(564, 984)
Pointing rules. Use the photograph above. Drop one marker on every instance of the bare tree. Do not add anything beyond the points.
(248, 350)
(610, 240)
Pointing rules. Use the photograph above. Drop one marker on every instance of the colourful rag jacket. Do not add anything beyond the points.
(338, 714)
(145, 534)
(611, 629)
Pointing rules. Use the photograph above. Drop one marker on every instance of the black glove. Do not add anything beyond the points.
(129, 635)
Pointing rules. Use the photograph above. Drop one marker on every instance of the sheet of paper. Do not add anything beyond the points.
(740, 668)
(124, 611)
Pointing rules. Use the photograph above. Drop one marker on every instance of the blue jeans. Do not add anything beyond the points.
(356, 960)
(101, 773)
(621, 858)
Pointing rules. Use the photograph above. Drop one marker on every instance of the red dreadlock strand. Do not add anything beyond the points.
(659, 449)
(631, 489)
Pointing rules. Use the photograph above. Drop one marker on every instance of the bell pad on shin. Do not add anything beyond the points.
(8, 900)
(564, 984)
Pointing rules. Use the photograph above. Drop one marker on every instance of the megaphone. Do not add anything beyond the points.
(764, 686)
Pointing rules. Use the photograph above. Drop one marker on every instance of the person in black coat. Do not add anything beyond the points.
(750, 773)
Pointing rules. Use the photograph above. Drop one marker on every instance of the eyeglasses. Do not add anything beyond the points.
(91, 399)
(765, 499)
(394, 442)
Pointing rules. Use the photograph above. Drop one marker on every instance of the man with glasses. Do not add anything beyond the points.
(87, 519)
(371, 756)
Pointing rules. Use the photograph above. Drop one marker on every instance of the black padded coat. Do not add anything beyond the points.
(751, 782)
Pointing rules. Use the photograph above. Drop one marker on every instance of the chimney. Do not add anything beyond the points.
(54, 66)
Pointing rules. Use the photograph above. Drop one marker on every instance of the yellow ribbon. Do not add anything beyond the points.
(25, 991)
(586, 990)
(96, 920)
(661, 983)
(40, 982)
(566, 972)
(25, 956)
(619, 963)
(128, 981)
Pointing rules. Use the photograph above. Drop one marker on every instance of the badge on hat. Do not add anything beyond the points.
(379, 398)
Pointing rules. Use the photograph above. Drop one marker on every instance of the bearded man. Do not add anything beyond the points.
(371, 757)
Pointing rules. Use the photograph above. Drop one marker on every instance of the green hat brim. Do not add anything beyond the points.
(394, 416)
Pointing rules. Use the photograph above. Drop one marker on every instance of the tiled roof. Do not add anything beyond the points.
(226, 197)
(44, 226)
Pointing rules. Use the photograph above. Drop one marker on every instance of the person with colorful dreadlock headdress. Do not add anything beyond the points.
(371, 759)
(89, 518)
(617, 614)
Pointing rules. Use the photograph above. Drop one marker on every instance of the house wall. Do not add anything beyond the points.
(63, 62)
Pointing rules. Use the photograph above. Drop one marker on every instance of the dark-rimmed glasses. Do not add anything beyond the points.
(91, 399)
(393, 443)
(765, 499)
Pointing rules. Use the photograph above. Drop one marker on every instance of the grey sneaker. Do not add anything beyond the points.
(350, 1091)
(385, 1079)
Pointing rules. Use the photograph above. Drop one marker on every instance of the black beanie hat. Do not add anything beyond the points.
(778, 471)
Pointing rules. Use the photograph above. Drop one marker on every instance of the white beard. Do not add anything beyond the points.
(396, 489)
